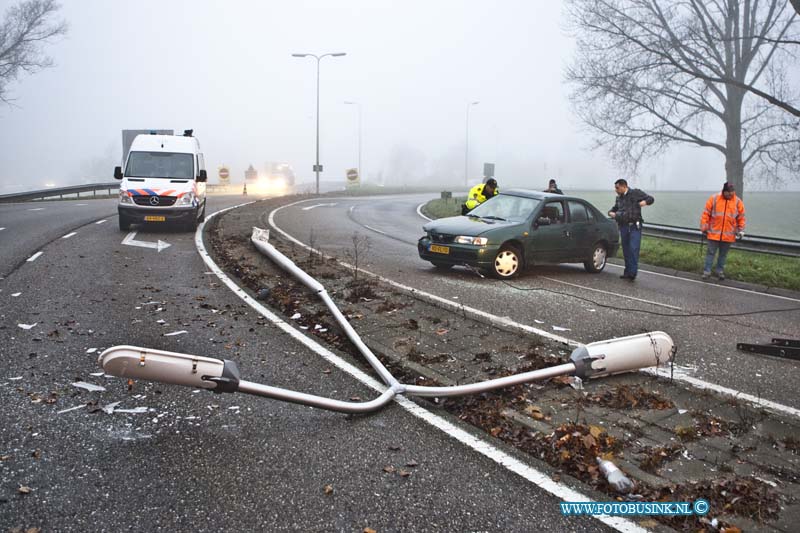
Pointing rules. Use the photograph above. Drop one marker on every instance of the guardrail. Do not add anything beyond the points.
(60, 192)
(112, 188)
(750, 243)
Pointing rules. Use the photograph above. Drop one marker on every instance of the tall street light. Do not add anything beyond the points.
(317, 166)
(466, 150)
(358, 105)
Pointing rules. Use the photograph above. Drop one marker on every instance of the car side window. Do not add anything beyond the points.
(553, 212)
(577, 212)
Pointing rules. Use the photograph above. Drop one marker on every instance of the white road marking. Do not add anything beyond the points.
(34, 257)
(651, 302)
(317, 205)
(376, 230)
(419, 211)
(76, 205)
(524, 328)
(68, 235)
(158, 246)
(707, 284)
(1, 229)
(37, 209)
(486, 449)
(100, 221)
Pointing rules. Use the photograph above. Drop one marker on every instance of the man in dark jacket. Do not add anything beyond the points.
(627, 211)
(553, 188)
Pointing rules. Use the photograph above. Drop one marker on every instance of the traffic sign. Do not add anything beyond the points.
(353, 179)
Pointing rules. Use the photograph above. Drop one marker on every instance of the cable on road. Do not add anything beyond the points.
(645, 311)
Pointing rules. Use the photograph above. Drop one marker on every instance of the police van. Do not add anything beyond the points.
(164, 182)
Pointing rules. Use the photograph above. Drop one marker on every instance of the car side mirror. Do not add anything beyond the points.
(118, 173)
(203, 176)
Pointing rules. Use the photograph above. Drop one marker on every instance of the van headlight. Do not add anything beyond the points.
(186, 199)
(477, 241)
(124, 198)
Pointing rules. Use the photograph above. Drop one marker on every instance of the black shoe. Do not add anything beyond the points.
(624, 276)
(631, 278)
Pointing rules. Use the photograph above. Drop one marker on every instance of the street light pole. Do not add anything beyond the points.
(466, 150)
(318, 58)
(358, 105)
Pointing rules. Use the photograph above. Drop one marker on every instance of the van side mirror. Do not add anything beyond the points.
(118, 173)
(203, 176)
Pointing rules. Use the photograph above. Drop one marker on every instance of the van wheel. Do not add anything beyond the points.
(124, 223)
(507, 262)
(191, 225)
(598, 260)
(203, 216)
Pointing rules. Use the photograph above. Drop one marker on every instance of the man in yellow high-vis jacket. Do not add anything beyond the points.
(479, 194)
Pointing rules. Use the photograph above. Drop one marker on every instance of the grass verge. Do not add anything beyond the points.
(750, 267)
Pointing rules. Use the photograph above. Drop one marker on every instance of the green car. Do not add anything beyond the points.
(520, 228)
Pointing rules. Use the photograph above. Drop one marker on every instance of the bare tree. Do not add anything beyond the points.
(24, 31)
(651, 73)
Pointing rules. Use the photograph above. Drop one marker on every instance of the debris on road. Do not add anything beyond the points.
(88, 386)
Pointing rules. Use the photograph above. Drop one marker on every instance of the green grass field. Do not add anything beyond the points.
(751, 267)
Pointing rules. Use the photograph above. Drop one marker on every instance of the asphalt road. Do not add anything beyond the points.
(706, 344)
(195, 461)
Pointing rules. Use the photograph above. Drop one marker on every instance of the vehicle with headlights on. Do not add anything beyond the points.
(164, 182)
(518, 229)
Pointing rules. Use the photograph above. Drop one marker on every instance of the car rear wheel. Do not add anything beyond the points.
(598, 260)
(441, 266)
(507, 262)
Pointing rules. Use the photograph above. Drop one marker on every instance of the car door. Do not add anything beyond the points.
(549, 236)
(583, 230)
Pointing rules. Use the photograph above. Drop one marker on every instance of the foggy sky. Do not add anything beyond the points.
(225, 69)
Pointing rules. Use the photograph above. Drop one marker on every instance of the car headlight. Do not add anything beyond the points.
(477, 241)
(124, 198)
(186, 199)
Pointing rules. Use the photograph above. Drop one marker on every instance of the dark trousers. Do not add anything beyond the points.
(631, 242)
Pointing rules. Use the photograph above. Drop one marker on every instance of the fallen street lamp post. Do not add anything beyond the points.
(594, 360)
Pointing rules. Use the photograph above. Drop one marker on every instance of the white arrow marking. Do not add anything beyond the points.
(317, 205)
(160, 245)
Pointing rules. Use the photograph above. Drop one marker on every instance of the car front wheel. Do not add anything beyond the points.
(598, 260)
(507, 262)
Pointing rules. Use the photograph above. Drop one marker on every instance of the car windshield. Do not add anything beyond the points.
(160, 165)
(506, 207)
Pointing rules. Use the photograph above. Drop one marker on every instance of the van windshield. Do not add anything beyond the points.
(160, 165)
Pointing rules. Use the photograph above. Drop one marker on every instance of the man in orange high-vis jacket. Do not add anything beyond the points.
(722, 222)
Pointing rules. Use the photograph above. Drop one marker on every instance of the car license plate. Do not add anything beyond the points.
(155, 218)
(435, 248)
